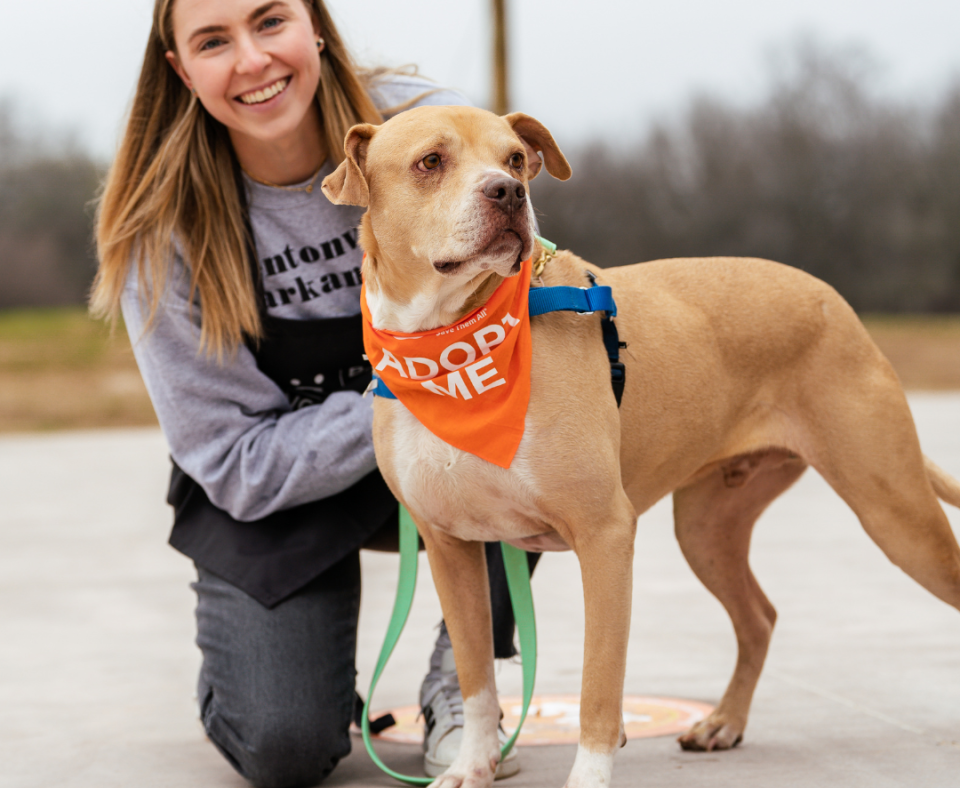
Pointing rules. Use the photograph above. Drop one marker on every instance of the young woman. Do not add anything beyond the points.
(239, 284)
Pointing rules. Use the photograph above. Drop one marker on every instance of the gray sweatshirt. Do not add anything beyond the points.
(229, 426)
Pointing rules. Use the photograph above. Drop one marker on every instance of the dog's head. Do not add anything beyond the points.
(446, 188)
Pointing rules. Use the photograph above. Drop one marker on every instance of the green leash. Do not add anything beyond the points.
(518, 581)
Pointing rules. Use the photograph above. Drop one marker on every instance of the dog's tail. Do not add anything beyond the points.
(944, 485)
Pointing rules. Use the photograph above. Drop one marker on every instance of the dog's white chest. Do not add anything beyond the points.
(458, 492)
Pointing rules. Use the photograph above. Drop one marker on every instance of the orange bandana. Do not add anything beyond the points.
(469, 383)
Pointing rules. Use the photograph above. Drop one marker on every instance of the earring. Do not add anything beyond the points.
(321, 44)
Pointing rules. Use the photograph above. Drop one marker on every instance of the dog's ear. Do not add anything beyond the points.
(536, 138)
(347, 185)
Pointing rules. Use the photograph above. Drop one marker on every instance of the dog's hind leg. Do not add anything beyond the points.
(871, 457)
(714, 518)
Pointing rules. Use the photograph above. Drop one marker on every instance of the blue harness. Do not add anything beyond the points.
(583, 301)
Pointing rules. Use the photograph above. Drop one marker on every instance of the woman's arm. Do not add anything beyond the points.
(230, 427)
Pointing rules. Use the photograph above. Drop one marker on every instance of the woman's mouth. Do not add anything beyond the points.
(264, 94)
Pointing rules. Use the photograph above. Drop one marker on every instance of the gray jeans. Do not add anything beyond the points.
(276, 686)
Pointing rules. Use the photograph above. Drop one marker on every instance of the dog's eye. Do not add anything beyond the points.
(430, 162)
(516, 161)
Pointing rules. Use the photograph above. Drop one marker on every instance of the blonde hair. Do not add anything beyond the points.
(175, 180)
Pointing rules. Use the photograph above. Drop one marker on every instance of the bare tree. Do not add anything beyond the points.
(46, 186)
(823, 174)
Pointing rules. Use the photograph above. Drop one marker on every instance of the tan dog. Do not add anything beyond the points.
(740, 373)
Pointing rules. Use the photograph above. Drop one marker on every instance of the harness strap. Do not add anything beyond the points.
(582, 300)
(518, 581)
(611, 341)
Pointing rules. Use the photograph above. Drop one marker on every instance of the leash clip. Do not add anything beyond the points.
(548, 251)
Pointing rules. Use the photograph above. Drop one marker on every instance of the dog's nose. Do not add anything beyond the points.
(507, 193)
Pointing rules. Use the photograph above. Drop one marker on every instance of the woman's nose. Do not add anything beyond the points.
(251, 59)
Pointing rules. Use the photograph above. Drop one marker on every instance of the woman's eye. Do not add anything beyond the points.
(211, 43)
(516, 161)
(272, 22)
(431, 161)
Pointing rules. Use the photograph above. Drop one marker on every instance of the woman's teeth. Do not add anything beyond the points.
(259, 96)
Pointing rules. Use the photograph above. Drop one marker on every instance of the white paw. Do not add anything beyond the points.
(469, 774)
(591, 770)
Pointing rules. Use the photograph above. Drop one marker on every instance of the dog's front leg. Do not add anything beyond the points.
(460, 575)
(606, 563)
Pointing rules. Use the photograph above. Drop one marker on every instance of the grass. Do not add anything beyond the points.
(924, 349)
(61, 370)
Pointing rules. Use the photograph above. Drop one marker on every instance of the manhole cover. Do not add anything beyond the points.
(555, 719)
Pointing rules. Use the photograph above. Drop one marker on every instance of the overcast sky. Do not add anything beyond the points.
(588, 68)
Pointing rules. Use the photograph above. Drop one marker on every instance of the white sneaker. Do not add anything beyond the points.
(442, 707)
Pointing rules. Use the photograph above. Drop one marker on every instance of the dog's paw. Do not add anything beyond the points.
(447, 781)
(591, 769)
(716, 732)
(469, 775)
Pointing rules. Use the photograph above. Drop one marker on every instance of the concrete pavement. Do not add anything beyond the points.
(97, 662)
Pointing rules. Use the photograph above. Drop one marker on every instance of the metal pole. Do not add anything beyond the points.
(500, 100)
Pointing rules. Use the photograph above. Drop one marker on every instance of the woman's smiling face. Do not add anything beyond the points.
(254, 65)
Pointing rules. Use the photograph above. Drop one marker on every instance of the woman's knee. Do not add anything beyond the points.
(288, 757)
(277, 685)
(281, 750)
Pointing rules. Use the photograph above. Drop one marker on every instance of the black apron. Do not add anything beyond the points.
(272, 558)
